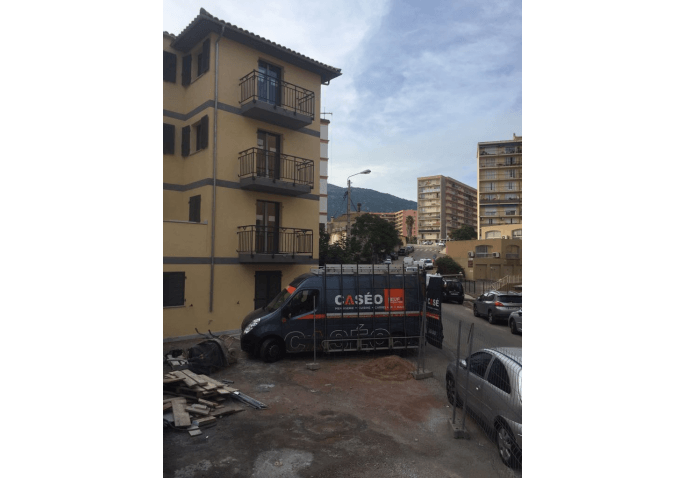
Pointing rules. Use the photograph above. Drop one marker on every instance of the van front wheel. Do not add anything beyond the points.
(271, 350)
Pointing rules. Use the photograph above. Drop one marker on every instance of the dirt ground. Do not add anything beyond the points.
(359, 415)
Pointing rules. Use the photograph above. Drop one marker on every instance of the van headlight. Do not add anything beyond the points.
(252, 325)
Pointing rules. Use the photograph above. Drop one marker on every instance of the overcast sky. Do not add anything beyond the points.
(422, 83)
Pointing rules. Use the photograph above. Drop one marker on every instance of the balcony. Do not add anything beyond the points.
(276, 101)
(500, 163)
(270, 245)
(501, 200)
(275, 173)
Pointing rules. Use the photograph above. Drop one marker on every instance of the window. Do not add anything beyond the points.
(493, 235)
(267, 227)
(269, 155)
(512, 173)
(269, 83)
(173, 289)
(168, 133)
(169, 70)
(201, 136)
(490, 211)
(194, 209)
(510, 161)
(517, 233)
(478, 363)
(302, 302)
(497, 376)
(202, 64)
(511, 186)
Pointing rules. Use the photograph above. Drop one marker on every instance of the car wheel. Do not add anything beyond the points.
(507, 446)
(271, 350)
(451, 390)
(491, 320)
(513, 326)
(476, 312)
(460, 302)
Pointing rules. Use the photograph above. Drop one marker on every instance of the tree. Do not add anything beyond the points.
(447, 265)
(371, 237)
(336, 253)
(464, 233)
(410, 224)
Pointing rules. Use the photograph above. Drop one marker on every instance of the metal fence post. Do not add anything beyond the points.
(457, 366)
(314, 365)
(470, 340)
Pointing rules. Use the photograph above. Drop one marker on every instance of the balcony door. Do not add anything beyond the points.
(268, 155)
(267, 228)
(269, 83)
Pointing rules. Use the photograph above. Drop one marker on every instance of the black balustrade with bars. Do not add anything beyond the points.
(255, 239)
(256, 162)
(256, 86)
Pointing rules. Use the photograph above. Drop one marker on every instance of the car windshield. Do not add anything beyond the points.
(279, 300)
(512, 299)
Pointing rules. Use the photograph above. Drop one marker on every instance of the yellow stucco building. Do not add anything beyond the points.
(241, 173)
(499, 175)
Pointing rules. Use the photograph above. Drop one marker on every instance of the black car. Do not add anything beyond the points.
(401, 251)
(394, 256)
(452, 291)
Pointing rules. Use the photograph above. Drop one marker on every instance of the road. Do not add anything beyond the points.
(485, 334)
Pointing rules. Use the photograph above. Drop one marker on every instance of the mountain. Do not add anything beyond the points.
(372, 201)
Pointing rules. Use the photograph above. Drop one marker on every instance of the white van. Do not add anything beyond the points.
(408, 261)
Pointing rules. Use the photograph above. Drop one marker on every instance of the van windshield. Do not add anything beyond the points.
(279, 300)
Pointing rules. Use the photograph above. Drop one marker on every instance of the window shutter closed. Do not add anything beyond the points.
(169, 67)
(186, 70)
(194, 209)
(205, 56)
(204, 131)
(173, 288)
(185, 141)
(168, 138)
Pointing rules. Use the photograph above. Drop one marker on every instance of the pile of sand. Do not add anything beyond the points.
(390, 368)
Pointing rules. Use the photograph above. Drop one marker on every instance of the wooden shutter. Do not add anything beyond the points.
(205, 56)
(186, 70)
(169, 66)
(185, 141)
(173, 288)
(194, 209)
(169, 130)
(204, 131)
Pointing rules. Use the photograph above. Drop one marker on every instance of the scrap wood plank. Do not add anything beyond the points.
(181, 416)
(194, 377)
(208, 403)
(186, 379)
(171, 380)
(197, 411)
(226, 410)
(167, 406)
(205, 421)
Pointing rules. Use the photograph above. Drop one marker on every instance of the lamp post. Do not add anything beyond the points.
(347, 229)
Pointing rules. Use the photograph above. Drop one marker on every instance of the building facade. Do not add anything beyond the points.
(499, 176)
(444, 204)
(487, 259)
(400, 220)
(241, 173)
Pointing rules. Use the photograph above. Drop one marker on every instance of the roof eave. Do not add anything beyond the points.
(204, 24)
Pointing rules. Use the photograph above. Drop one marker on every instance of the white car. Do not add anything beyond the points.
(441, 243)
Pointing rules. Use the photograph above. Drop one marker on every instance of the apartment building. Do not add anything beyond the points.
(400, 221)
(443, 204)
(241, 173)
(336, 226)
(500, 188)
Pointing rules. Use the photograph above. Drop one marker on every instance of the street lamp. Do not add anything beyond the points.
(347, 229)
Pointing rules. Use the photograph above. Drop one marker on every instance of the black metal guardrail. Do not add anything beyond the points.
(256, 86)
(284, 167)
(255, 239)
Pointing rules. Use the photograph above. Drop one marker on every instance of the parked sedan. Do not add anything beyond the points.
(515, 321)
(497, 305)
(490, 382)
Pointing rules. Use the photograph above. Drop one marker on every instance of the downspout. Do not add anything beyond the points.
(214, 163)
